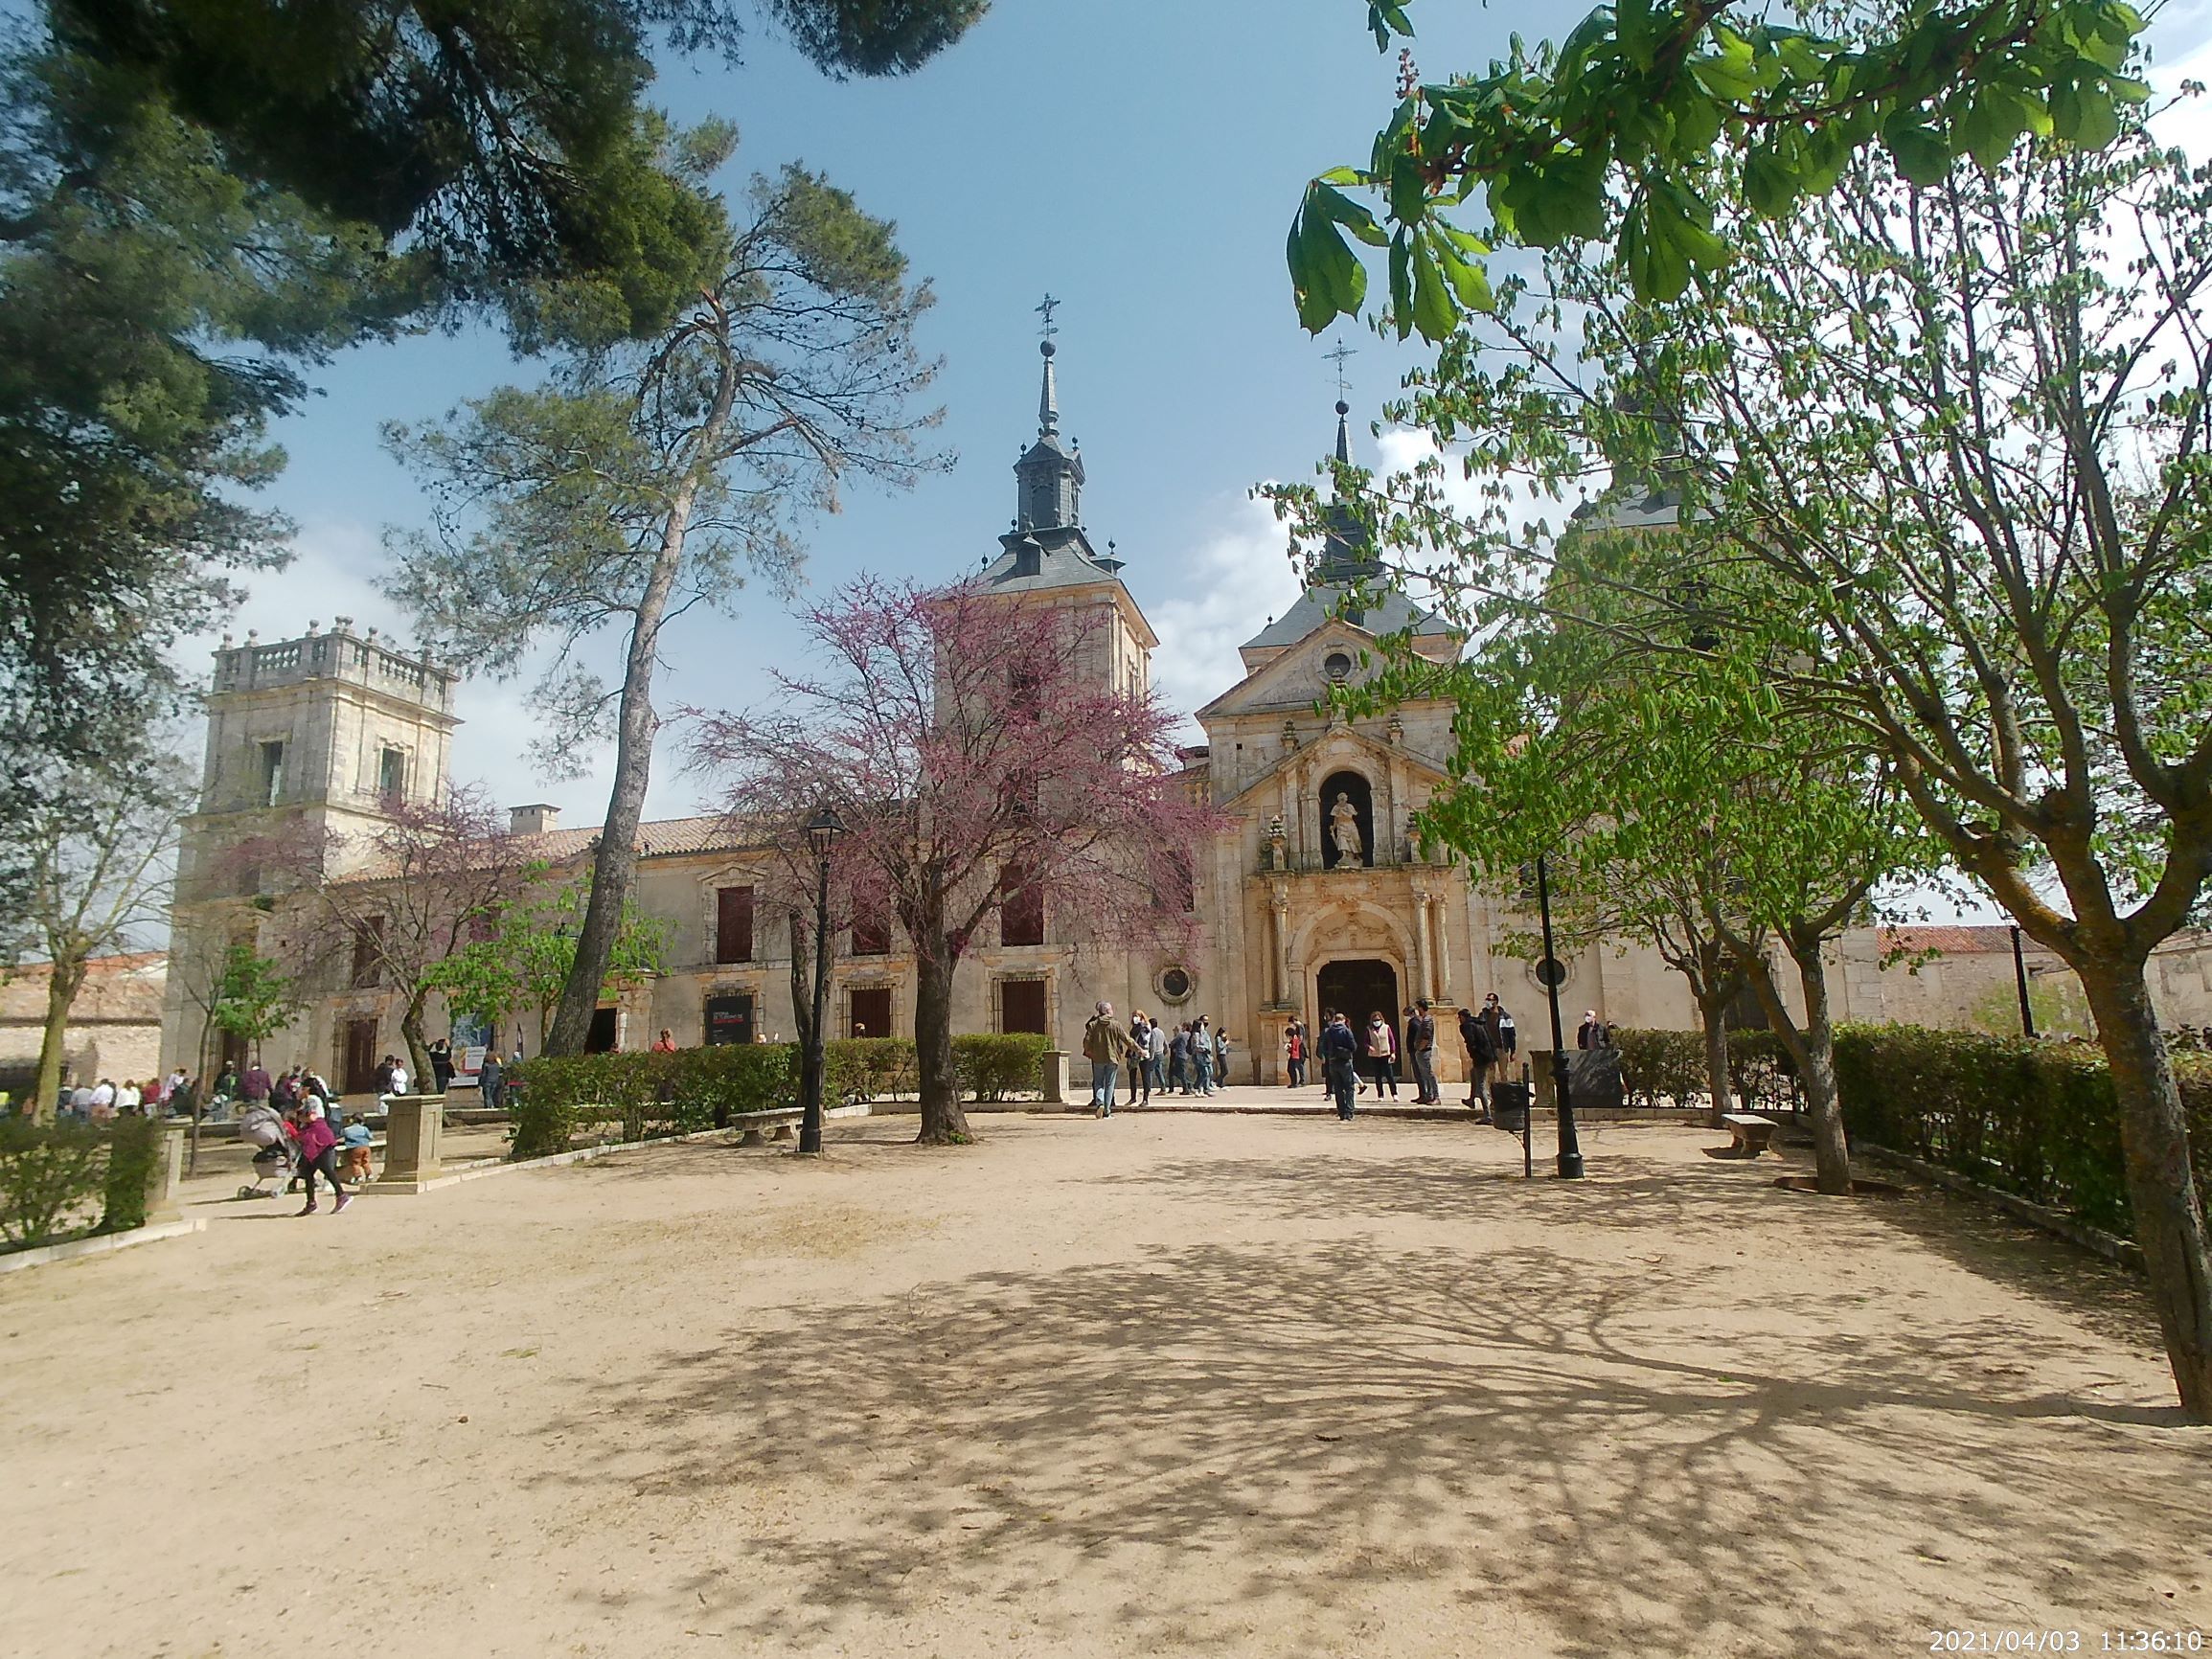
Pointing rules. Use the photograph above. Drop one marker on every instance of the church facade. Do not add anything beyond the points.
(1314, 895)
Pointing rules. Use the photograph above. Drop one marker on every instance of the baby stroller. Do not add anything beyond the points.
(276, 1160)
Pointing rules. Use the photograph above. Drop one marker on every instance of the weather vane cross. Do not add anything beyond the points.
(1337, 357)
(1046, 312)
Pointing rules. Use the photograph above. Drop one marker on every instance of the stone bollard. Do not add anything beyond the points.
(164, 1181)
(1544, 1097)
(1052, 1077)
(413, 1124)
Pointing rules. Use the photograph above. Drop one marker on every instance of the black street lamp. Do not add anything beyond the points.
(2021, 980)
(821, 831)
(1570, 1158)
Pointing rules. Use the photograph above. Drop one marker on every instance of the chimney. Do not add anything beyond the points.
(537, 819)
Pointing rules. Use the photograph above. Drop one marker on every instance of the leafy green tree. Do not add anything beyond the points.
(92, 853)
(1945, 445)
(1613, 133)
(526, 948)
(254, 999)
(1675, 803)
(647, 479)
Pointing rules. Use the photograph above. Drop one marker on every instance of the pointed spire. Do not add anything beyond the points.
(1048, 398)
(1344, 435)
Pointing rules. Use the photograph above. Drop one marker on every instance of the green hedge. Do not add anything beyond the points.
(2037, 1119)
(1670, 1066)
(997, 1066)
(51, 1175)
(639, 1097)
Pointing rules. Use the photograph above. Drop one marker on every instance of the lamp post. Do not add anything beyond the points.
(2020, 981)
(821, 831)
(1570, 1154)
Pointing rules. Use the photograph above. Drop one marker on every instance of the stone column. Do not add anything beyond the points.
(164, 1182)
(1279, 953)
(1443, 952)
(1420, 943)
(412, 1128)
(1052, 1078)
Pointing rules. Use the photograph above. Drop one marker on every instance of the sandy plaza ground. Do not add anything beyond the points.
(1176, 1383)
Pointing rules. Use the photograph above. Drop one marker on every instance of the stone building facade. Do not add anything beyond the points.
(1314, 895)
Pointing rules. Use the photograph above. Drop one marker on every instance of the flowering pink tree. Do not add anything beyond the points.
(980, 754)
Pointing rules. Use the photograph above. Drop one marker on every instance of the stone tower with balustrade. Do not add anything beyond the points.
(331, 732)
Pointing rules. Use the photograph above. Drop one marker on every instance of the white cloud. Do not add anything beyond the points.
(1228, 586)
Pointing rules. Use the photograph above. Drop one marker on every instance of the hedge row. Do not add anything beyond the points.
(2037, 1120)
(1669, 1067)
(51, 1173)
(644, 1095)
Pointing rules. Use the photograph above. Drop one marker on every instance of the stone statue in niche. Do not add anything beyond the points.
(1344, 830)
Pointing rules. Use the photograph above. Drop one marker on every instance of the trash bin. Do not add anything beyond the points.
(1509, 1107)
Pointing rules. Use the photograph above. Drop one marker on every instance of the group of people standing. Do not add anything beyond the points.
(1353, 1062)
(1191, 1059)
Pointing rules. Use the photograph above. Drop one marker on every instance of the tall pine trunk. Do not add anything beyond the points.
(942, 1121)
(1812, 1050)
(2161, 1189)
(614, 864)
(63, 981)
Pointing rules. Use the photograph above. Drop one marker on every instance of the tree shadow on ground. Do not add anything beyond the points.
(1676, 1461)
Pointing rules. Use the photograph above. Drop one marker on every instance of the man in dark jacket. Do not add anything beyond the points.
(1474, 1037)
(1420, 1051)
(1339, 1057)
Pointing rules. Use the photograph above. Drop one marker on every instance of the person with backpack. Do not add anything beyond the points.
(1294, 1053)
(1180, 1059)
(1104, 1044)
(1339, 1055)
(1475, 1037)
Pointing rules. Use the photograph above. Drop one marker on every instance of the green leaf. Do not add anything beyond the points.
(1408, 189)
(1326, 276)
(1919, 153)
(1434, 312)
(1770, 183)
(1351, 214)
(2099, 122)
(1400, 285)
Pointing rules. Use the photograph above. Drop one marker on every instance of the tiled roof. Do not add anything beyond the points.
(1955, 940)
(662, 838)
(1391, 613)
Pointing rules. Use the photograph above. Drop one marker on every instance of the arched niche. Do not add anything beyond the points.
(1354, 786)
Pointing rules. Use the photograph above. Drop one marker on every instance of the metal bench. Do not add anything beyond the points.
(1751, 1135)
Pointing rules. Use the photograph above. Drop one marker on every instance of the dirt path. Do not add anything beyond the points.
(1168, 1385)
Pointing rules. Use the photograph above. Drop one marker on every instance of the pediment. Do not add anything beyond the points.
(1298, 677)
(1341, 746)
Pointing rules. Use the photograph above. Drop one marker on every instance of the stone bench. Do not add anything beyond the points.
(1750, 1135)
(778, 1122)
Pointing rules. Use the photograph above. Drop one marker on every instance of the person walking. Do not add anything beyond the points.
(1141, 1057)
(1202, 1055)
(1221, 1059)
(442, 1064)
(1382, 1054)
(1475, 1037)
(318, 1153)
(1156, 1056)
(1421, 1052)
(1294, 1053)
(1504, 1037)
(1179, 1058)
(491, 1082)
(1339, 1055)
(1104, 1044)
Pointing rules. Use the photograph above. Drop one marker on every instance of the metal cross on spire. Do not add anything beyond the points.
(1046, 312)
(1337, 357)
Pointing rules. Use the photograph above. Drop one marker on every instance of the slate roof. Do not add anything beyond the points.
(1063, 558)
(1392, 613)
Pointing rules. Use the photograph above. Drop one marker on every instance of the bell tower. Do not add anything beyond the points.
(333, 731)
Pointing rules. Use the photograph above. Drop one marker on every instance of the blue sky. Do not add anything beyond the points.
(1138, 158)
